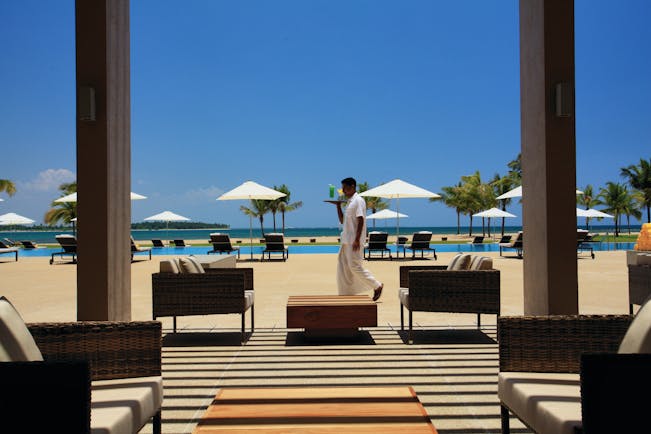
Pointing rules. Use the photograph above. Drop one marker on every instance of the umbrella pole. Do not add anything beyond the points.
(398, 219)
(251, 235)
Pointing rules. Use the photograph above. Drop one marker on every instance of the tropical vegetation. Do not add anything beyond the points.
(622, 200)
(259, 208)
(62, 212)
(7, 186)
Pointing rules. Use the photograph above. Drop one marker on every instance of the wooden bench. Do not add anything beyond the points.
(349, 410)
(331, 315)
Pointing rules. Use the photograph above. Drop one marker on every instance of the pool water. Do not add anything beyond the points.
(329, 249)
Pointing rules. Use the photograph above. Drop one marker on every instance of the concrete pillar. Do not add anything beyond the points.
(103, 160)
(548, 156)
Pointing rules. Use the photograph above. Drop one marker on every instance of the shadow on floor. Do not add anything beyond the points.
(299, 339)
(203, 339)
(447, 336)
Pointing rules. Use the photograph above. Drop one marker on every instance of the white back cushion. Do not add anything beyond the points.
(638, 336)
(16, 342)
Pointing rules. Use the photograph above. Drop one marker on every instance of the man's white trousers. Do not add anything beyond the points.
(352, 277)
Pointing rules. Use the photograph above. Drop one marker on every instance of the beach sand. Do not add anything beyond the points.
(452, 366)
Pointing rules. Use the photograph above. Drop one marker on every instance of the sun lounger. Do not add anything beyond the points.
(7, 250)
(479, 239)
(377, 242)
(135, 248)
(69, 245)
(28, 244)
(515, 244)
(420, 243)
(275, 244)
(221, 243)
(158, 243)
(180, 243)
(6, 244)
(582, 245)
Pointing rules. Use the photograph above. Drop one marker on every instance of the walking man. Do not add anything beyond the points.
(352, 277)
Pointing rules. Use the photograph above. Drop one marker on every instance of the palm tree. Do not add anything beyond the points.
(632, 207)
(639, 178)
(501, 185)
(515, 169)
(616, 198)
(453, 197)
(587, 199)
(476, 196)
(258, 209)
(7, 186)
(374, 204)
(284, 205)
(62, 211)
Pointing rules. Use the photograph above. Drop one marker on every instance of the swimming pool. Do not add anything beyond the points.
(328, 249)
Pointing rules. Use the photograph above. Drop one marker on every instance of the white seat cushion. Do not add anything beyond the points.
(124, 405)
(403, 295)
(638, 336)
(16, 342)
(249, 295)
(550, 403)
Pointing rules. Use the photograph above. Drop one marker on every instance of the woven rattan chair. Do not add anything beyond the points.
(435, 289)
(562, 373)
(217, 291)
(79, 376)
(639, 284)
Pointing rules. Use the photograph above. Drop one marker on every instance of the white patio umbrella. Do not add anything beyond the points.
(591, 213)
(11, 219)
(72, 197)
(167, 217)
(398, 189)
(517, 192)
(252, 191)
(493, 213)
(386, 214)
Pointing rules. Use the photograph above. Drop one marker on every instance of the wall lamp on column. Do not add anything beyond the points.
(564, 100)
(86, 103)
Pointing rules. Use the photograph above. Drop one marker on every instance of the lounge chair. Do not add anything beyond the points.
(135, 248)
(420, 242)
(479, 239)
(178, 290)
(69, 245)
(7, 250)
(575, 373)
(180, 243)
(275, 244)
(157, 243)
(5, 245)
(469, 284)
(377, 242)
(221, 243)
(98, 376)
(6, 242)
(515, 244)
(28, 244)
(582, 243)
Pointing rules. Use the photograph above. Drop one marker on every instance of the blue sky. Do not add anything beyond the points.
(306, 93)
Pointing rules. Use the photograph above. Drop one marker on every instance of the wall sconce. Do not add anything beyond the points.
(564, 100)
(86, 103)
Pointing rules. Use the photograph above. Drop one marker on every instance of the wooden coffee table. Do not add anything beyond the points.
(331, 315)
(317, 410)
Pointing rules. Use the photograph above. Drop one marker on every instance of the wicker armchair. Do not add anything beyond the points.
(217, 291)
(561, 374)
(98, 375)
(639, 284)
(436, 289)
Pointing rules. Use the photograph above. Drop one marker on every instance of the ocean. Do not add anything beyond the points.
(204, 234)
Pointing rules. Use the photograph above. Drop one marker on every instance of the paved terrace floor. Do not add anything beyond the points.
(452, 366)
